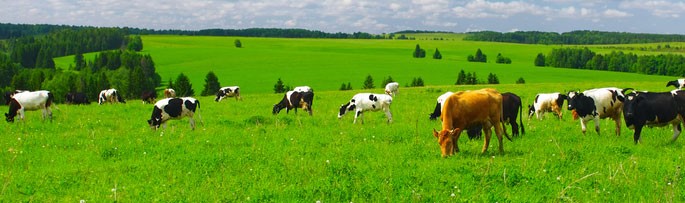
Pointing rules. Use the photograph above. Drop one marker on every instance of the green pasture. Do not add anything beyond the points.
(243, 153)
(325, 64)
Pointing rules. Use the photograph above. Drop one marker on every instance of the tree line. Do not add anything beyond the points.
(574, 37)
(662, 64)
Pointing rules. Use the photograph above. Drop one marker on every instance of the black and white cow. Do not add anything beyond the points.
(30, 101)
(148, 97)
(547, 102)
(679, 83)
(295, 100)
(76, 98)
(8, 95)
(110, 95)
(231, 91)
(174, 108)
(367, 102)
(595, 104)
(654, 109)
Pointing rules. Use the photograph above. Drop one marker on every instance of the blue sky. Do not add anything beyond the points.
(372, 16)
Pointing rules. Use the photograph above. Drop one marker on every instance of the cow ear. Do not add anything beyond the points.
(435, 132)
(452, 132)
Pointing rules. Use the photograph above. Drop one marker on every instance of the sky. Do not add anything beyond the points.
(371, 16)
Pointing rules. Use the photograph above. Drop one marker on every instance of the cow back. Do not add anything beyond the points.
(468, 108)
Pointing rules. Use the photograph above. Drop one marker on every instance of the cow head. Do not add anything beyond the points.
(306, 101)
(446, 141)
(531, 111)
(630, 103)
(673, 83)
(219, 95)
(14, 107)
(573, 99)
(349, 106)
(277, 108)
(156, 118)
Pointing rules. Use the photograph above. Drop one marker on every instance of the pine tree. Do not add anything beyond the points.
(540, 60)
(137, 82)
(387, 80)
(183, 87)
(212, 84)
(237, 43)
(437, 54)
(368, 83)
(79, 61)
(461, 78)
(278, 87)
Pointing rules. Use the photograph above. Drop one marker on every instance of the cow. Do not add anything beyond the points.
(76, 98)
(547, 102)
(466, 109)
(679, 83)
(174, 108)
(30, 101)
(595, 104)
(654, 109)
(303, 89)
(148, 97)
(169, 93)
(295, 100)
(367, 102)
(110, 95)
(232, 91)
(511, 106)
(392, 88)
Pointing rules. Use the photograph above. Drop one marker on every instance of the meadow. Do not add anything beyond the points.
(240, 152)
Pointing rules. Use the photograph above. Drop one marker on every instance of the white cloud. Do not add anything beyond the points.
(665, 9)
(613, 13)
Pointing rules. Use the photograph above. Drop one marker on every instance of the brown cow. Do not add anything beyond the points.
(466, 109)
(169, 93)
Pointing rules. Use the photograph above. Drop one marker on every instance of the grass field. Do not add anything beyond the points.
(242, 153)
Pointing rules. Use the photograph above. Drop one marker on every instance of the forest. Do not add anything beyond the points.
(574, 37)
(662, 64)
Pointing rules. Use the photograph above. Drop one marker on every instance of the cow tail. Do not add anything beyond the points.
(523, 130)
(51, 97)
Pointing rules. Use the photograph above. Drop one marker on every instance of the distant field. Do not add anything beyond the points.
(325, 64)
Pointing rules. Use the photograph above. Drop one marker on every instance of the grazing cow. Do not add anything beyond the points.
(294, 100)
(232, 91)
(654, 109)
(392, 88)
(169, 93)
(597, 104)
(303, 89)
(110, 95)
(467, 109)
(511, 105)
(8, 95)
(367, 102)
(174, 108)
(679, 83)
(148, 97)
(76, 98)
(29, 101)
(547, 102)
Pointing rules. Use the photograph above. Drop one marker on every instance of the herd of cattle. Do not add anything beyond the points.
(475, 111)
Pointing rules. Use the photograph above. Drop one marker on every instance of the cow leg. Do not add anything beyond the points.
(514, 128)
(455, 140)
(388, 114)
(192, 123)
(356, 115)
(617, 119)
(539, 114)
(636, 135)
(498, 133)
(676, 131)
(596, 119)
(504, 127)
(488, 135)
(582, 125)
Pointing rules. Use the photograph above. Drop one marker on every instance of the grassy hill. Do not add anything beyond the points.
(325, 64)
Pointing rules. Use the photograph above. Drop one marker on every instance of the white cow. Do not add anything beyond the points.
(110, 95)
(230, 91)
(547, 102)
(303, 89)
(174, 108)
(29, 101)
(367, 102)
(392, 88)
